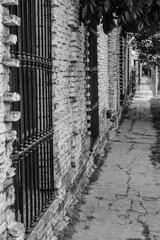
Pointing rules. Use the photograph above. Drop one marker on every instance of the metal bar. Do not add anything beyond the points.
(48, 170)
(31, 186)
(50, 68)
(52, 167)
(43, 67)
(45, 172)
(42, 177)
(33, 48)
(16, 184)
(39, 70)
(46, 67)
(33, 154)
(93, 82)
(28, 76)
(38, 180)
(26, 159)
(38, 141)
(35, 183)
(21, 193)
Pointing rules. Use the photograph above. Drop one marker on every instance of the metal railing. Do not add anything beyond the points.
(33, 149)
(94, 82)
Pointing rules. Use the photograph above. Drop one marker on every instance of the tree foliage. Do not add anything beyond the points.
(148, 46)
(136, 16)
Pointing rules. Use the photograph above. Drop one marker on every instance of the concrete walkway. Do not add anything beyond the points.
(124, 203)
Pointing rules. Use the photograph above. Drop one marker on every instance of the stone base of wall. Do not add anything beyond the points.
(45, 229)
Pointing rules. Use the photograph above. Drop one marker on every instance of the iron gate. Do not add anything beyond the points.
(33, 150)
(121, 70)
(94, 81)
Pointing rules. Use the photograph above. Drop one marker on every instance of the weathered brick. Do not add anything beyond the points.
(2, 228)
(9, 2)
(12, 116)
(11, 62)
(16, 229)
(11, 97)
(9, 39)
(11, 20)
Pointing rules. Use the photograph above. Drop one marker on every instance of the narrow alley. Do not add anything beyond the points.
(124, 203)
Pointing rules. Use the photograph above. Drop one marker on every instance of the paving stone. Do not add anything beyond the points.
(125, 199)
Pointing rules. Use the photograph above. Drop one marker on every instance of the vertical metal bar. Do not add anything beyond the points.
(21, 134)
(45, 172)
(43, 66)
(40, 53)
(42, 177)
(94, 82)
(26, 159)
(38, 179)
(39, 67)
(21, 194)
(46, 66)
(16, 183)
(35, 183)
(50, 68)
(50, 100)
(43, 95)
(48, 171)
(30, 173)
(46, 101)
(28, 54)
(35, 106)
(51, 167)
(33, 69)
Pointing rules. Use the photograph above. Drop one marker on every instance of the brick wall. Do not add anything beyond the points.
(103, 80)
(73, 161)
(113, 69)
(69, 89)
(72, 156)
(9, 229)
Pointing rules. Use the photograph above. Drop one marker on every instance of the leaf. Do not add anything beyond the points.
(140, 9)
(140, 26)
(100, 12)
(130, 5)
(84, 12)
(123, 19)
(149, 2)
(127, 16)
(107, 5)
(94, 3)
(91, 8)
(134, 16)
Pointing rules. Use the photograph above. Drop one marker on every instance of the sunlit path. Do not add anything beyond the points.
(123, 204)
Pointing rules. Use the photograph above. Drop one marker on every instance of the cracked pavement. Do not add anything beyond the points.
(124, 203)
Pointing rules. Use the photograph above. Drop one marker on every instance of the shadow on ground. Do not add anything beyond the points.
(74, 212)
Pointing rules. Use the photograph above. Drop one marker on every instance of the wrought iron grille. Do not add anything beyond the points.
(33, 149)
(121, 71)
(94, 82)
